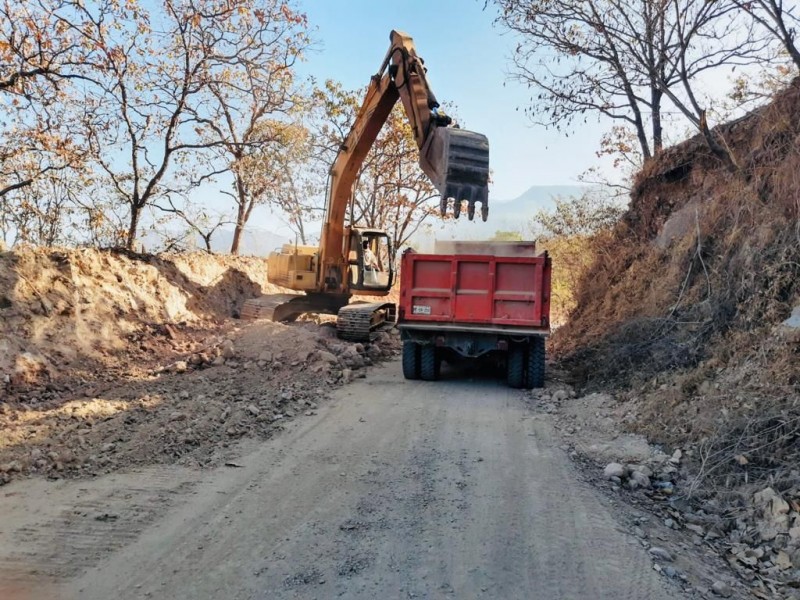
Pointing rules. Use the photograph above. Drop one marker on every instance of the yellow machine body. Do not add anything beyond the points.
(294, 267)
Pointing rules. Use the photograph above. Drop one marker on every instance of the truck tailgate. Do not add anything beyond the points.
(476, 289)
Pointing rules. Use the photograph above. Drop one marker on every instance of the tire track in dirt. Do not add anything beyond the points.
(58, 540)
(396, 489)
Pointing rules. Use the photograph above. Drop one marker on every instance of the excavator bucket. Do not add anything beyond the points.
(457, 161)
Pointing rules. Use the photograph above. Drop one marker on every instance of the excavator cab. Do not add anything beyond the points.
(370, 260)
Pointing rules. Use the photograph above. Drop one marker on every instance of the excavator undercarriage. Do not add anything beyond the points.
(356, 322)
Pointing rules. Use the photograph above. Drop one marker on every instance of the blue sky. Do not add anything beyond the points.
(468, 63)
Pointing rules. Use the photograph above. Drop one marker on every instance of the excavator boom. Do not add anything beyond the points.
(456, 160)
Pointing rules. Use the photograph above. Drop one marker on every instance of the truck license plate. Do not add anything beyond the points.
(421, 310)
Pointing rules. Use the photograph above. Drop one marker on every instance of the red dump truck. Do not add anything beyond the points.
(474, 299)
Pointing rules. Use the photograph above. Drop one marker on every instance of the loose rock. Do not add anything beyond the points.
(660, 553)
(614, 470)
(228, 351)
(720, 588)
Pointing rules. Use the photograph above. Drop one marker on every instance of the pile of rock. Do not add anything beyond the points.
(658, 473)
(761, 540)
(550, 399)
(342, 359)
(765, 538)
(243, 384)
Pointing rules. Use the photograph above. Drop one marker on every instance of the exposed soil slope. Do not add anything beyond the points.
(62, 309)
(703, 273)
(110, 360)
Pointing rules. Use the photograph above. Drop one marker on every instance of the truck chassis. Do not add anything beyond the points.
(425, 347)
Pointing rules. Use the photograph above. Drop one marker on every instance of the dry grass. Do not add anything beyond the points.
(649, 304)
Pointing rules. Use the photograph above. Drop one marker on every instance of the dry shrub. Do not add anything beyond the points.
(751, 451)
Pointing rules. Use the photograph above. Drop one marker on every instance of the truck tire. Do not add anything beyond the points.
(535, 366)
(428, 363)
(516, 367)
(411, 360)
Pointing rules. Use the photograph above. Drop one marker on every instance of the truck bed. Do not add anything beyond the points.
(476, 290)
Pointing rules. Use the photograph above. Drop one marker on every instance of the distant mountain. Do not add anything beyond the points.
(504, 215)
(254, 242)
(534, 199)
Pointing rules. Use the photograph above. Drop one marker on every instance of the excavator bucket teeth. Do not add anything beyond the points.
(457, 161)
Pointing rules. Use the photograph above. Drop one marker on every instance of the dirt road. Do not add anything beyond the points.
(394, 490)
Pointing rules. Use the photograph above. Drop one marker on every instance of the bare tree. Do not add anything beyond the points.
(623, 59)
(140, 115)
(780, 19)
(37, 53)
(251, 100)
(300, 198)
(40, 59)
(41, 213)
(199, 221)
(151, 108)
(706, 36)
(576, 58)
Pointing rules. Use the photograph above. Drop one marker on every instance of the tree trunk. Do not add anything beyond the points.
(641, 135)
(658, 129)
(133, 228)
(241, 216)
(717, 149)
(237, 232)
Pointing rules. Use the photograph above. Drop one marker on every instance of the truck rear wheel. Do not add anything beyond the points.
(535, 366)
(411, 360)
(516, 367)
(429, 363)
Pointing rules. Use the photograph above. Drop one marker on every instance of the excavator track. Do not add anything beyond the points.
(361, 322)
(287, 307)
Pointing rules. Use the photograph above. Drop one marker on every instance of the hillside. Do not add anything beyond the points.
(690, 313)
(704, 264)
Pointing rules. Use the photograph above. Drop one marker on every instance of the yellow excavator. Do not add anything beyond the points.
(355, 259)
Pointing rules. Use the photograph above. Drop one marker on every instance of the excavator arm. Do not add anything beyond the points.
(456, 160)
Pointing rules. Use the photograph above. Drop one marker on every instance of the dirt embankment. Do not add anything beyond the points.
(64, 310)
(690, 302)
(110, 360)
(691, 316)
